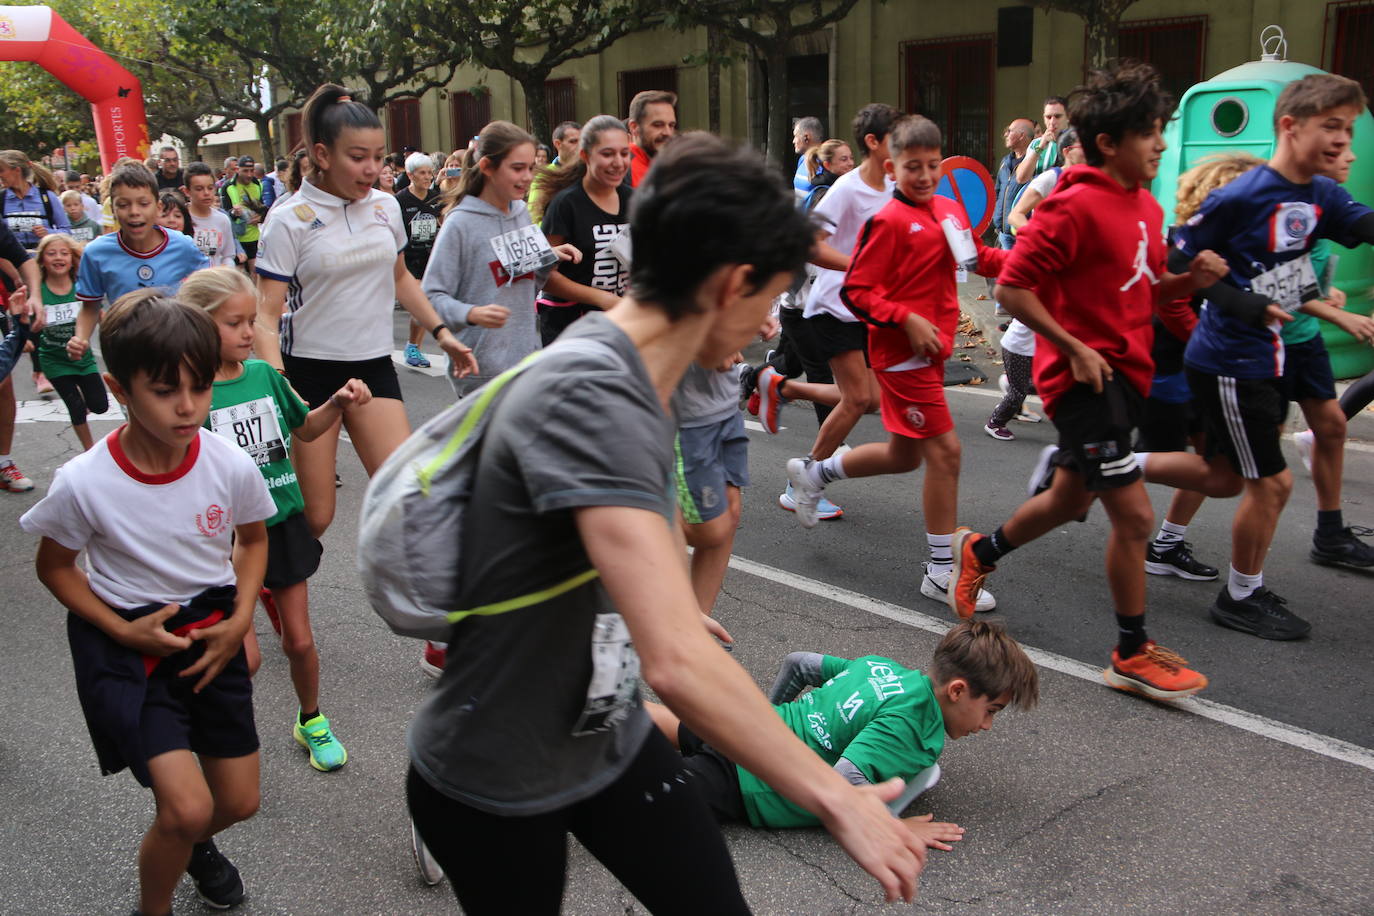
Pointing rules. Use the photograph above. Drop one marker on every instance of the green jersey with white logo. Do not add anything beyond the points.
(879, 716)
(257, 412)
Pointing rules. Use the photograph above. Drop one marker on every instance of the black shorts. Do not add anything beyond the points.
(316, 380)
(293, 553)
(249, 248)
(1242, 417)
(1307, 371)
(217, 722)
(554, 319)
(715, 776)
(1167, 427)
(1095, 433)
(81, 393)
(830, 337)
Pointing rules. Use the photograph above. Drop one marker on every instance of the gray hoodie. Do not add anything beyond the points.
(464, 271)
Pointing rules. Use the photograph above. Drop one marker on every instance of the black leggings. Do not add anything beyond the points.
(1358, 396)
(650, 828)
(81, 393)
(1018, 371)
(797, 354)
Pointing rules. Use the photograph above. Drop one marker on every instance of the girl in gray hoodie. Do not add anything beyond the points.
(489, 260)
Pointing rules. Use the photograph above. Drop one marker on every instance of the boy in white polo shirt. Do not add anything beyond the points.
(171, 519)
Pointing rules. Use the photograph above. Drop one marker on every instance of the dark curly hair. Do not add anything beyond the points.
(1125, 98)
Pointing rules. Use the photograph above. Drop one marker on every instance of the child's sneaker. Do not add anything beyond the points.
(806, 496)
(433, 658)
(41, 384)
(1304, 441)
(825, 509)
(217, 880)
(12, 479)
(1043, 475)
(1177, 560)
(415, 358)
(430, 872)
(1000, 433)
(269, 605)
(966, 578)
(770, 398)
(1344, 548)
(326, 753)
(1154, 672)
(936, 588)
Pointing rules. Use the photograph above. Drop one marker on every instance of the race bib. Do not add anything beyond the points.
(522, 251)
(61, 313)
(424, 227)
(1290, 284)
(253, 427)
(615, 677)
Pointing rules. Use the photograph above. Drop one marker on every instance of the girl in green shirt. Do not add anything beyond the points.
(77, 381)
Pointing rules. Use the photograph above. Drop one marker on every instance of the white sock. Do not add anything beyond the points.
(1169, 533)
(1140, 459)
(5, 461)
(1241, 586)
(941, 556)
(826, 471)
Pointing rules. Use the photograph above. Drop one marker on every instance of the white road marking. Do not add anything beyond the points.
(438, 363)
(1325, 745)
(54, 411)
(757, 427)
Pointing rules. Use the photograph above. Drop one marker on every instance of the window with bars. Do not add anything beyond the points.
(471, 113)
(1175, 48)
(403, 118)
(560, 98)
(1350, 34)
(949, 80)
(633, 82)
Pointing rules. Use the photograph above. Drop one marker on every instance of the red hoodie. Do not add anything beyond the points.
(1094, 253)
(902, 264)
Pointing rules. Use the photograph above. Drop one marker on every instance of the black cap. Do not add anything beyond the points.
(246, 160)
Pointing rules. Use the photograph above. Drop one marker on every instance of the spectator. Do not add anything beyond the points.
(652, 123)
(246, 201)
(806, 133)
(1045, 148)
(565, 139)
(170, 176)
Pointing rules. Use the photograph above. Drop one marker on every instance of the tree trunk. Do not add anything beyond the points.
(536, 105)
(779, 124)
(1102, 32)
(715, 46)
(267, 142)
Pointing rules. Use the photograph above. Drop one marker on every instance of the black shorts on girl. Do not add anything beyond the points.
(316, 380)
(293, 553)
(830, 336)
(1095, 433)
(81, 393)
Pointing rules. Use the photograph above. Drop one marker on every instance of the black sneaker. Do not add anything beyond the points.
(1263, 614)
(217, 880)
(1344, 549)
(1177, 560)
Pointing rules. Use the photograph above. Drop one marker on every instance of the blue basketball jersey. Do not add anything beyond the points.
(1264, 226)
(109, 268)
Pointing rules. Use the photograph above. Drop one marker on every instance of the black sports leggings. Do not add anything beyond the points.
(1358, 396)
(81, 393)
(650, 828)
(797, 354)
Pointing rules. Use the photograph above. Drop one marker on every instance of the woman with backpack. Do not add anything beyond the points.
(32, 208)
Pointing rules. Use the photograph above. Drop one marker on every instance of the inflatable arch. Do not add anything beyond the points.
(37, 34)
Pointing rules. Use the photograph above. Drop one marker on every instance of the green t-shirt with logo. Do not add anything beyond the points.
(879, 716)
(257, 412)
(1304, 327)
(60, 314)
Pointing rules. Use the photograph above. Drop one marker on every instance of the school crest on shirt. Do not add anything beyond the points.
(379, 213)
(303, 212)
(213, 521)
(1292, 225)
(145, 272)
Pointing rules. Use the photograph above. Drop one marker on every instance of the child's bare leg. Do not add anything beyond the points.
(298, 642)
(83, 435)
(417, 333)
(185, 811)
(858, 395)
(1132, 520)
(233, 783)
(940, 491)
(1066, 499)
(897, 455)
(252, 652)
(664, 720)
(816, 392)
(711, 542)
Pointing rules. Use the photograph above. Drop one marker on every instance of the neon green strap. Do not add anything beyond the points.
(515, 604)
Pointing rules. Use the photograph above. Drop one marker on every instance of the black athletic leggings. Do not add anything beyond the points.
(81, 393)
(1358, 396)
(797, 354)
(650, 828)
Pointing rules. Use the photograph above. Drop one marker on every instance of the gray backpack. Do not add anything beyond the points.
(411, 533)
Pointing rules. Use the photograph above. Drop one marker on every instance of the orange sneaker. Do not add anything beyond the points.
(966, 579)
(1154, 672)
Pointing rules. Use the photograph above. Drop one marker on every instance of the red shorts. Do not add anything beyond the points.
(914, 402)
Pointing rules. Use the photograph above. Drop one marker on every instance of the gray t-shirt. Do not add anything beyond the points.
(706, 396)
(521, 721)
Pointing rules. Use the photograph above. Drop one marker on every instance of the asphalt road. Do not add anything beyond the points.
(1095, 802)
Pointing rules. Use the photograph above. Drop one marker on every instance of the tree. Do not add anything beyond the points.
(528, 39)
(1102, 27)
(768, 28)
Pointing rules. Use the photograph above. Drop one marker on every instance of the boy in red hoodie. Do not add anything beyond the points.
(901, 283)
(1087, 276)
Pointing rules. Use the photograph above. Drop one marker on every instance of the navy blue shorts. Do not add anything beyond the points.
(217, 722)
(1307, 371)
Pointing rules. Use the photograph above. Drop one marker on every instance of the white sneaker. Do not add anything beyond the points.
(938, 590)
(13, 479)
(1043, 475)
(430, 872)
(825, 509)
(1304, 441)
(805, 495)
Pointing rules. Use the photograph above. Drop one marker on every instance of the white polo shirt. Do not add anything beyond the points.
(338, 258)
(842, 212)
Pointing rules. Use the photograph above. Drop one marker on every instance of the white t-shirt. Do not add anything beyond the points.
(1044, 183)
(339, 258)
(842, 212)
(92, 208)
(214, 237)
(153, 538)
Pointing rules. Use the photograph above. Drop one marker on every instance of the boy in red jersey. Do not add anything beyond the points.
(1086, 276)
(901, 283)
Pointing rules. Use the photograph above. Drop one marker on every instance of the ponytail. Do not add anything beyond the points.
(550, 182)
(328, 111)
(494, 144)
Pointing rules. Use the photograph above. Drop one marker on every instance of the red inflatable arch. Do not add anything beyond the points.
(36, 33)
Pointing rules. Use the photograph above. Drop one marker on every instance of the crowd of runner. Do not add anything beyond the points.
(244, 321)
